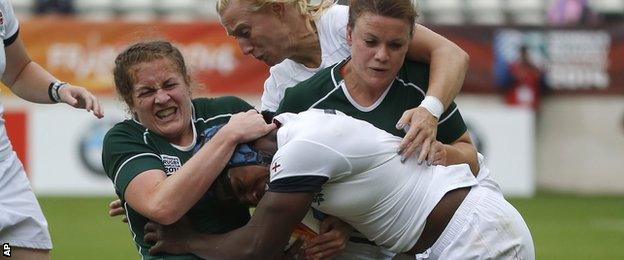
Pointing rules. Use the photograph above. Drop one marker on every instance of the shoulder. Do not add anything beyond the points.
(335, 12)
(415, 72)
(123, 131)
(305, 93)
(219, 105)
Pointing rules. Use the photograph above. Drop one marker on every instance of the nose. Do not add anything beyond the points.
(245, 46)
(161, 96)
(382, 54)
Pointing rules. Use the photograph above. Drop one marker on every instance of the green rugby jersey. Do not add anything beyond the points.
(327, 90)
(130, 149)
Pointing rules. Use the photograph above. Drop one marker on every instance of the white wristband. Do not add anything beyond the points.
(433, 105)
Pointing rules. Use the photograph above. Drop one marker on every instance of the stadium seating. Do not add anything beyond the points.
(487, 12)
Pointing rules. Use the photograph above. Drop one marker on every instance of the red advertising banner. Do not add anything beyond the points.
(83, 52)
(572, 60)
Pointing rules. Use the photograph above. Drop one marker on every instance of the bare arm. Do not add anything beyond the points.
(264, 237)
(448, 66)
(29, 81)
(166, 199)
(448, 63)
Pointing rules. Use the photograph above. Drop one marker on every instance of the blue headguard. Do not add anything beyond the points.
(243, 154)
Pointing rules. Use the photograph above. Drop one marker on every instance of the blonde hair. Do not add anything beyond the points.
(305, 8)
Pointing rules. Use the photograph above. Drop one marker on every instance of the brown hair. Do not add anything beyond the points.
(399, 9)
(139, 53)
(310, 11)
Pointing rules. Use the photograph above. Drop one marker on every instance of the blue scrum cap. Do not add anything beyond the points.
(243, 154)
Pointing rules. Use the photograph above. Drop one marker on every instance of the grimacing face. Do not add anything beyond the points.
(260, 34)
(378, 48)
(162, 100)
(249, 182)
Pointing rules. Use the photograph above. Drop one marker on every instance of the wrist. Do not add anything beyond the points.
(433, 105)
(53, 90)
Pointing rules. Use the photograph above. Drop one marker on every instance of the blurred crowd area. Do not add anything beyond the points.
(482, 12)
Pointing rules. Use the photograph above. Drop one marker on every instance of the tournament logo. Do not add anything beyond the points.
(171, 163)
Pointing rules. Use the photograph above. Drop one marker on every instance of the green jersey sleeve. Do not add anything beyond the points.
(125, 155)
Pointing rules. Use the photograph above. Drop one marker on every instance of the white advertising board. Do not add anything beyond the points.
(65, 145)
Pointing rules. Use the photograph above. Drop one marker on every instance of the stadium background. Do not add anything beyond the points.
(561, 165)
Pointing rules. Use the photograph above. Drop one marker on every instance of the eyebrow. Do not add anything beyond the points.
(237, 29)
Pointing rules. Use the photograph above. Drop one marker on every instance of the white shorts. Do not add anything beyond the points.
(22, 223)
(485, 226)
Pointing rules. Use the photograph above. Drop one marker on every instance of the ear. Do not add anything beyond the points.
(349, 32)
(278, 9)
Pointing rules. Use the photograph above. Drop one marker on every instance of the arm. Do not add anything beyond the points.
(264, 237)
(448, 66)
(166, 199)
(30, 81)
(448, 63)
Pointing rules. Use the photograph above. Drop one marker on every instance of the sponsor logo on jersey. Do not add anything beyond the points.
(171, 163)
(318, 198)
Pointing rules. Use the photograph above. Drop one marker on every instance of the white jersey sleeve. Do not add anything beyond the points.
(304, 158)
(8, 21)
(332, 33)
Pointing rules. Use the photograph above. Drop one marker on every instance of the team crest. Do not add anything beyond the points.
(171, 163)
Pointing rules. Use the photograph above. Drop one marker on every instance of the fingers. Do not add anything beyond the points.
(425, 151)
(114, 204)
(115, 208)
(151, 227)
(97, 109)
(404, 120)
(326, 245)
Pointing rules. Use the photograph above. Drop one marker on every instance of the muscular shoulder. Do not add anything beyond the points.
(303, 95)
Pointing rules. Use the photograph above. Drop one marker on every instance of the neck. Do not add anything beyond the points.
(362, 93)
(305, 46)
(185, 139)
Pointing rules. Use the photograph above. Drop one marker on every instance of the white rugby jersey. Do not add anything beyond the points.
(8, 30)
(332, 33)
(359, 177)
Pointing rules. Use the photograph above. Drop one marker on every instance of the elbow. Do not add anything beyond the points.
(462, 56)
(164, 213)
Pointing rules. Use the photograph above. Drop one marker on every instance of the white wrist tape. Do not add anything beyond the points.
(433, 105)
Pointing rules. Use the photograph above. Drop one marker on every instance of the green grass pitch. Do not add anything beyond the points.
(563, 227)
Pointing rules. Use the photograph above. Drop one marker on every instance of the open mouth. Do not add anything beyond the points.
(163, 114)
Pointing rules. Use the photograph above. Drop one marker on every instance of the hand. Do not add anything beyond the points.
(333, 238)
(172, 239)
(421, 128)
(79, 97)
(438, 154)
(247, 126)
(115, 209)
(294, 251)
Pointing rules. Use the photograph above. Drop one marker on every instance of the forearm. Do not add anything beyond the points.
(448, 63)
(264, 236)
(31, 83)
(447, 71)
(462, 152)
(172, 197)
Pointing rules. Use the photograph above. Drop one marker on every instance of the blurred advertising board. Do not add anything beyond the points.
(573, 60)
(83, 52)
